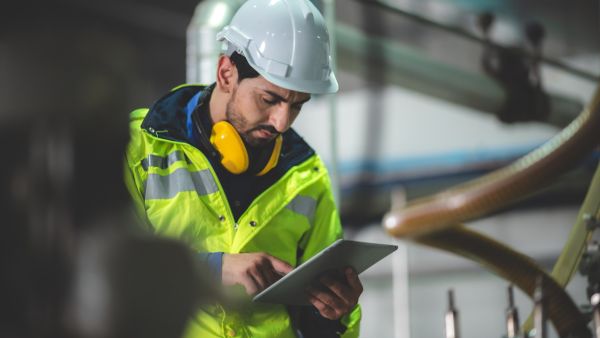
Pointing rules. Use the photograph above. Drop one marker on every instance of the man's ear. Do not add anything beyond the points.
(227, 75)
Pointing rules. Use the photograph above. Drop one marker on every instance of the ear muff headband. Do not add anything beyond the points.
(274, 158)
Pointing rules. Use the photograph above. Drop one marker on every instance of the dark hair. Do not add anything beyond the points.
(245, 71)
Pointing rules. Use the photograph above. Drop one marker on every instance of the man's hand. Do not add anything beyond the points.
(255, 271)
(338, 294)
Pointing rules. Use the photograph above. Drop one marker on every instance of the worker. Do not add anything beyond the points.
(219, 167)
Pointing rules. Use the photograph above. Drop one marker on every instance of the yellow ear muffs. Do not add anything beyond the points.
(229, 144)
(234, 155)
(274, 156)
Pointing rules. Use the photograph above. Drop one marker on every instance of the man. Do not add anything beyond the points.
(220, 168)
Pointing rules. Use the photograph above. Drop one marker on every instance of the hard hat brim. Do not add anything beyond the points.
(307, 86)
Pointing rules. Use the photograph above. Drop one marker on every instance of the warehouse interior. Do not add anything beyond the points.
(431, 98)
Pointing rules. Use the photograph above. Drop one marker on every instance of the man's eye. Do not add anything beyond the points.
(268, 101)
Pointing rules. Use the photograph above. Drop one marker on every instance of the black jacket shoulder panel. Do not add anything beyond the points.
(168, 115)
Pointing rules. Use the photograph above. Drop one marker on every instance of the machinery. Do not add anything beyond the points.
(436, 221)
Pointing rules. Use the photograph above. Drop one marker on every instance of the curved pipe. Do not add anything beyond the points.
(516, 267)
(433, 221)
(502, 187)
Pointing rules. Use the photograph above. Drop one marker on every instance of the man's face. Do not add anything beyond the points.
(260, 110)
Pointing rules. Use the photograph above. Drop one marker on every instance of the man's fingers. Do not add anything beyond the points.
(250, 285)
(269, 276)
(339, 289)
(324, 309)
(339, 294)
(353, 281)
(329, 298)
(263, 272)
(255, 271)
(268, 271)
(258, 275)
(280, 266)
(272, 276)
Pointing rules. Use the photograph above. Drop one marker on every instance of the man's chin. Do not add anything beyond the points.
(259, 142)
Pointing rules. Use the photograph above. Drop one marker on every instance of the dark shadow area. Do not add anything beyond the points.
(70, 72)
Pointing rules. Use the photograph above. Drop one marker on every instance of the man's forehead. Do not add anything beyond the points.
(288, 95)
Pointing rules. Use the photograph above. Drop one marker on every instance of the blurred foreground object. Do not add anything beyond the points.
(68, 244)
(132, 286)
(72, 264)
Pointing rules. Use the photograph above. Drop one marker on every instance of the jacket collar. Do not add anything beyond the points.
(167, 117)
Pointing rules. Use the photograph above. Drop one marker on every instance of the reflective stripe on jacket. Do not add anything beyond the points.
(176, 190)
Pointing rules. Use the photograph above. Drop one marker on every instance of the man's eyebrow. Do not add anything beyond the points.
(303, 101)
(281, 98)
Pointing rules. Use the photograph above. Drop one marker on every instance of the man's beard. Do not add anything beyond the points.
(239, 123)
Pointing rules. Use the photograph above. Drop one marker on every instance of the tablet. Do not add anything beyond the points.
(291, 288)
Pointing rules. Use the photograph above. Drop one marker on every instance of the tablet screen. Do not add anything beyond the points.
(291, 288)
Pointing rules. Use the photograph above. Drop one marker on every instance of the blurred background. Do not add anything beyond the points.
(430, 96)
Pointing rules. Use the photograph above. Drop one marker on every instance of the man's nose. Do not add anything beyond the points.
(280, 118)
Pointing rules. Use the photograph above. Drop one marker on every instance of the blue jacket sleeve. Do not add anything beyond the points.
(214, 262)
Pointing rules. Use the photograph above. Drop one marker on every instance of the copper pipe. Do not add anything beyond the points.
(501, 187)
(516, 267)
(435, 220)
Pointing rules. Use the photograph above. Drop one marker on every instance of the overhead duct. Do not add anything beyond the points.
(382, 44)
(407, 67)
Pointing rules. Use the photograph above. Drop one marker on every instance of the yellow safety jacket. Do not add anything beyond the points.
(177, 191)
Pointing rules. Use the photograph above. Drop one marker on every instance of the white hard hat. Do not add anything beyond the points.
(285, 41)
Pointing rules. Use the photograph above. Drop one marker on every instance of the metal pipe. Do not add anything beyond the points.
(400, 276)
(401, 294)
(203, 49)
(512, 316)
(451, 318)
(469, 36)
(541, 330)
(329, 11)
(409, 68)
